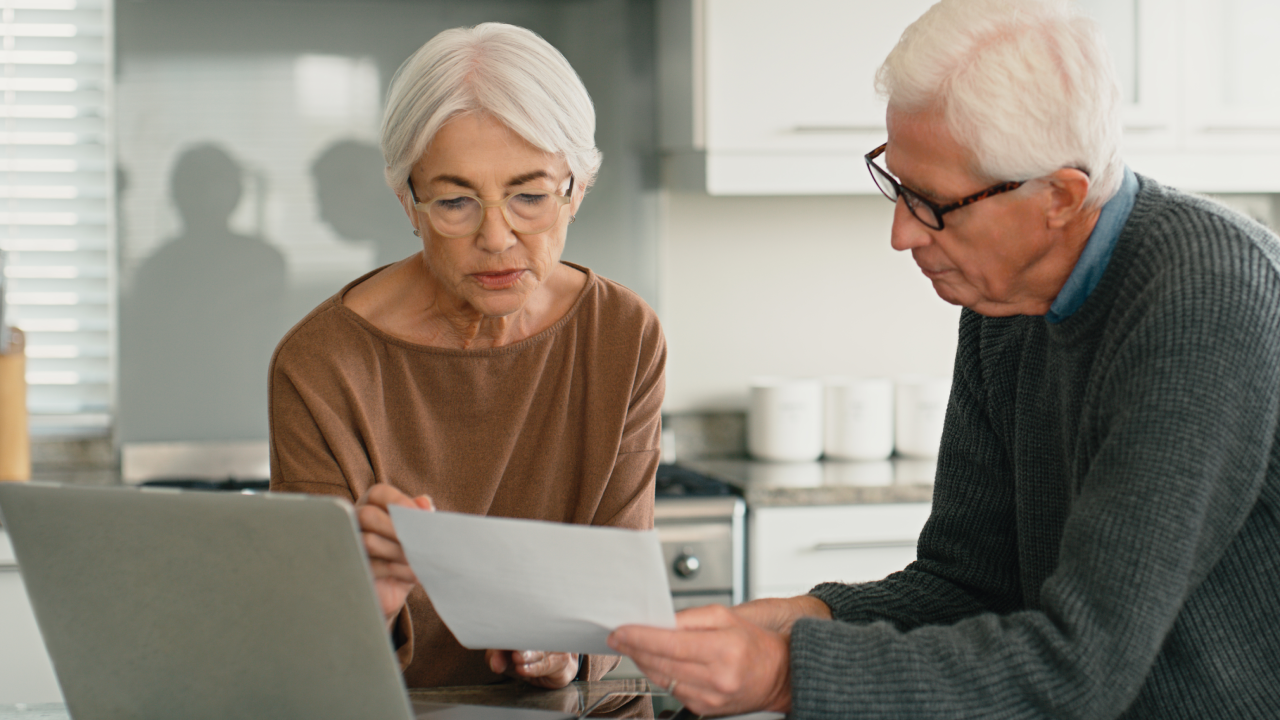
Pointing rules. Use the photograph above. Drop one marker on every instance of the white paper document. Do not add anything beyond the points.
(499, 583)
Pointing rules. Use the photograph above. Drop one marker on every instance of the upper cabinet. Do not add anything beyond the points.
(1203, 112)
(760, 98)
(776, 99)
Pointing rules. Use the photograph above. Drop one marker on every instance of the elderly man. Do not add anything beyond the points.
(1105, 536)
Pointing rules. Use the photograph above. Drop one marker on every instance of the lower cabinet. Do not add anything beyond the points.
(791, 549)
(26, 675)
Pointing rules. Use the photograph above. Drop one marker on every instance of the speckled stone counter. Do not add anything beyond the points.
(774, 484)
(609, 698)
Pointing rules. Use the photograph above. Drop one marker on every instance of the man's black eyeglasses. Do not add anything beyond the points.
(926, 211)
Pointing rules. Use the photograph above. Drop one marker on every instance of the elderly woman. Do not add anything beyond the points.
(482, 374)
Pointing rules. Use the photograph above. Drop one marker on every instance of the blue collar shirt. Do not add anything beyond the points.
(1097, 251)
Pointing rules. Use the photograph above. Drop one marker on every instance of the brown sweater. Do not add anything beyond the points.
(561, 426)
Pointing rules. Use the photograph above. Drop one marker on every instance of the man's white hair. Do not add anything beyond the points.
(506, 71)
(1027, 86)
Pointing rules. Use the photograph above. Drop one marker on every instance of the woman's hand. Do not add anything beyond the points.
(549, 670)
(392, 576)
(716, 662)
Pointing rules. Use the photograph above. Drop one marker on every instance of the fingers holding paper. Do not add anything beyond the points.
(392, 576)
(549, 670)
(716, 661)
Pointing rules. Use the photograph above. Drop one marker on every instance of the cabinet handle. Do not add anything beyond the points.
(1242, 129)
(863, 545)
(835, 129)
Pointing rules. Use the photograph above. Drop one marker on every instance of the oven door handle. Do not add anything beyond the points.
(863, 545)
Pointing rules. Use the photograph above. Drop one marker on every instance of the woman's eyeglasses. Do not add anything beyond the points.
(528, 212)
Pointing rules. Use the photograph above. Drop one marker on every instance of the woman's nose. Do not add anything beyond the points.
(495, 234)
(907, 232)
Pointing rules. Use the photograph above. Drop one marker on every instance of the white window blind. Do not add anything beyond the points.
(56, 206)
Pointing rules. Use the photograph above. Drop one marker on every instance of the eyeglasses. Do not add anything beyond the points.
(528, 212)
(927, 212)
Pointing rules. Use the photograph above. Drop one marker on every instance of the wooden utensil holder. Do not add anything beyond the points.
(15, 440)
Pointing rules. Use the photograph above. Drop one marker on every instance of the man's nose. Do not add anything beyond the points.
(907, 232)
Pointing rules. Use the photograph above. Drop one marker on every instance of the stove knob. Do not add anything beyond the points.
(687, 565)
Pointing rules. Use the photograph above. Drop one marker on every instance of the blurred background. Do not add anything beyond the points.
(185, 179)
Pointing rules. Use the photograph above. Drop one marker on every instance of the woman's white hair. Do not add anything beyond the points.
(506, 71)
(1027, 86)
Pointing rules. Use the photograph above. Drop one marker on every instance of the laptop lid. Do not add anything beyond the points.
(158, 603)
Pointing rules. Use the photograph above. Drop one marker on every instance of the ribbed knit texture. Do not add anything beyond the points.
(1105, 536)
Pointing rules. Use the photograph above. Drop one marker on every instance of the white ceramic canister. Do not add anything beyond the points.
(858, 423)
(920, 412)
(784, 419)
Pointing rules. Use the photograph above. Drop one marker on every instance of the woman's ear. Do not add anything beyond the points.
(406, 202)
(579, 192)
(1068, 188)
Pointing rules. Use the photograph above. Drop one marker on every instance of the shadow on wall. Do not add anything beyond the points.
(205, 312)
(354, 200)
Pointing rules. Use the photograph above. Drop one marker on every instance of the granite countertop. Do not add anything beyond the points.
(829, 482)
(610, 698)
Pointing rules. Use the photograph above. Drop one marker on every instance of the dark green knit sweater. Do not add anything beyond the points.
(1105, 536)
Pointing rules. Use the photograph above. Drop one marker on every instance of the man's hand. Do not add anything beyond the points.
(779, 614)
(543, 669)
(720, 662)
(392, 576)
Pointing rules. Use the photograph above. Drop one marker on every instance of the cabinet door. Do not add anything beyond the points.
(1142, 37)
(798, 76)
(791, 549)
(1232, 100)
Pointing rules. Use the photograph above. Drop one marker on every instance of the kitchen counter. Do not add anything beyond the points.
(633, 700)
(830, 482)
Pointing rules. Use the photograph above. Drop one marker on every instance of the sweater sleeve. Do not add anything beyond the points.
(1177, 450)
(966, 556)
(303, 459)
(629, 496)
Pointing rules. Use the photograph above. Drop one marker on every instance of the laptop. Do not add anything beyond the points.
(167, 603)
(158, 603)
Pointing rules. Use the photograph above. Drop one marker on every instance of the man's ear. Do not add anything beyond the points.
(1068, 188)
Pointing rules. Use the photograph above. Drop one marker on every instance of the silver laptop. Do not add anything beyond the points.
(172, 604)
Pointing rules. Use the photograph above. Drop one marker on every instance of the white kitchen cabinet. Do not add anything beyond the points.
(762, 98)
(776, 99)
(26, 674)
(791, 549)
(1202, 110)
(1232, 100)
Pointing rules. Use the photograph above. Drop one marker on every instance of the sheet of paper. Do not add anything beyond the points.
(532, 585)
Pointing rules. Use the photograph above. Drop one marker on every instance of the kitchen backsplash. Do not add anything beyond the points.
(705, 435)
(78, 461)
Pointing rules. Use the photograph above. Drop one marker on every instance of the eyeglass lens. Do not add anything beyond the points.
(891, 189)
(528, 213)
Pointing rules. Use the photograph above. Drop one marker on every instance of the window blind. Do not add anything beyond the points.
(56, 200)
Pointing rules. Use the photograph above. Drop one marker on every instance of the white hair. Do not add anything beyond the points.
(1027, 86)
(505, 71)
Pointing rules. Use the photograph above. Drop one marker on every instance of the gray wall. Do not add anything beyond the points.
(229, 229)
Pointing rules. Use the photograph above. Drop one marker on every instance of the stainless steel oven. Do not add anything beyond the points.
(703, 540)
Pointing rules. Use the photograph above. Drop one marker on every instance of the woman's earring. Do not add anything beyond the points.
(572, 218)
(415, 232)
